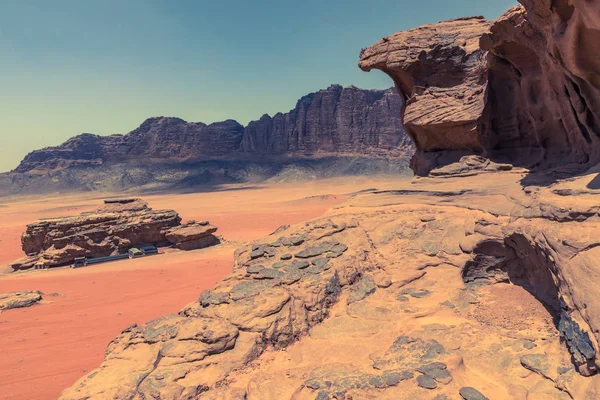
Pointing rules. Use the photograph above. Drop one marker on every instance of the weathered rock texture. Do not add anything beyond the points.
(422, 292)
(192, 235)
(522, 89)
(337, 120)
(19, 299)
(156, 139)
(112, 229)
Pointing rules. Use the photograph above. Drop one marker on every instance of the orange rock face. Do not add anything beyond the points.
(440, 71)
(522, 89)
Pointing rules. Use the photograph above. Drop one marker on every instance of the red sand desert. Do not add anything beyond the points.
(47, 347)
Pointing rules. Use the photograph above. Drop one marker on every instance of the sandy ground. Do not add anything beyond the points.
(45, 348)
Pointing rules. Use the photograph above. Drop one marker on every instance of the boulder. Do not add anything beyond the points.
(192, 236)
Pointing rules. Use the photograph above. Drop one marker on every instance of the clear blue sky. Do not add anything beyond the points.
(103, 66)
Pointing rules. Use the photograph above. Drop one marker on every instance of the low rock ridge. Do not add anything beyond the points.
(332, 121)
(522, 89)
(12, 300)
(114, 228)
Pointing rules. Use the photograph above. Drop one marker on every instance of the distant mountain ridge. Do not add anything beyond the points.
(332, 132)
(333, 121)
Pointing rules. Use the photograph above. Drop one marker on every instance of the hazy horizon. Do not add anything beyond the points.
(103, 67)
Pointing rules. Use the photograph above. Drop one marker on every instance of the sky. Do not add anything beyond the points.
(104, 66)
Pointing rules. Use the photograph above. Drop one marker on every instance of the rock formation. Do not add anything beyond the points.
(156, 139)
(334, 132)
(522, 89)
(192, 235)
(337, 121)
(112, 229)
(19, 299)
(423, 292)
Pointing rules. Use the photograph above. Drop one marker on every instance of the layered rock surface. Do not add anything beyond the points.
(422, 292)
(522, 89)
(337, 120)
(19, 299)
(112, 229)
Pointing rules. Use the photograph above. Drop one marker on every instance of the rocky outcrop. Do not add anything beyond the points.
(19, 299)
(440, 72)
(522, 89)
(112, 229)
(192, 235)
(408, 293)
(335, 121)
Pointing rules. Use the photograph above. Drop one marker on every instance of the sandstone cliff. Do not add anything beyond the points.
(334, 121)
(522, 89)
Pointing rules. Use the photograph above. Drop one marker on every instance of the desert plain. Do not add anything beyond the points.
(47, 347)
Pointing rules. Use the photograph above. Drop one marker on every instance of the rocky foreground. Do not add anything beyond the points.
(418, 293)
(477, 282)
(112, 229)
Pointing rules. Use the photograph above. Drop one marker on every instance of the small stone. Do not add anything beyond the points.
(291, 277)
(269, 274)
(402, 298)
(394, 378)
(334, 255)
(420, 294)
(317, 269)
(285, 241)
(426, 382)
(279, 264)
(297, 240)
(320, 262)
(427, 219)
(469, 393)
(339, 248)
(431, 366)
(257, 253)
(529, 345)
(270, 251)
(377, 382)
(440, 375)
(300, 264)
(286, 257)
(202, 223)
(255, 269)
